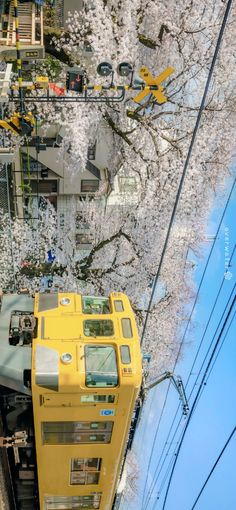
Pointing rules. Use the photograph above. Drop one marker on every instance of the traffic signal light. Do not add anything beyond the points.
(124, 69)
(104, 69)
(75, 80)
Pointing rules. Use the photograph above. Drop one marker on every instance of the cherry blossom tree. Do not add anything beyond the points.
(149, 142)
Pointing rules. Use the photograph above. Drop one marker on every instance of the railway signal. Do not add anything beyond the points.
(149, 79)
(77, 82)
(19, 124)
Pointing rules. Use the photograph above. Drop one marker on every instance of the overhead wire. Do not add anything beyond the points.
(182, 179)
(181, 343)
(213, 364)
(202, 388)
(213, 468)
(203, 276)
(209, 347)
(156, 475)
(153, 442)
(202, 105)
(223, 280)
(196, 399)
(218, 352)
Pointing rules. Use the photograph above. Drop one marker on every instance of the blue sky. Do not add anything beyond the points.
(215, 415)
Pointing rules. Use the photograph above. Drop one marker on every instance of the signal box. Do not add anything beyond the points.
(75, 79)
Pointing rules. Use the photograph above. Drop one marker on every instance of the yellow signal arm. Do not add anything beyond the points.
(19, 124)
(145, 74)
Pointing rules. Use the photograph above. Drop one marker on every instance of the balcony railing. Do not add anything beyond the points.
(30, 25)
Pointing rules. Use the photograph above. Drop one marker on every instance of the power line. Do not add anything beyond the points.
(153, 443)
(176, 203)
(202, 386)
(213, 468)
(157, 474)
(196, 400)
(203, 336)
(199, 115)
(213, 364)
(208, 350)
(183, 177)
(201, 281)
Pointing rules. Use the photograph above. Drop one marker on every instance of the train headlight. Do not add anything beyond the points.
(66, 358)
(65, 301)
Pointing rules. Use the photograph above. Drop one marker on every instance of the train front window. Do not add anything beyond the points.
(126, 328)
(95, 305)
(125, 354)
(100, 366)
(98, 328)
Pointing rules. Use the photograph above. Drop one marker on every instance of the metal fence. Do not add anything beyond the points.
(7, 266)
(58, 11)
(4, 189)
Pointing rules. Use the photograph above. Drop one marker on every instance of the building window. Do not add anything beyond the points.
(76, 432)
(89, 185)
(86, 198)
(80, 222)
(62, 220)
(127, 184)
(126, 328)
(31, 164)
(82, 239)
(85, 471)
(87, 47)
(76, 502)
(92, 152)
(100, 366)
(46, 186)
(53, 200)
(98, 328)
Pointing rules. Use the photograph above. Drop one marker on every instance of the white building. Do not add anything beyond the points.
(46, 174)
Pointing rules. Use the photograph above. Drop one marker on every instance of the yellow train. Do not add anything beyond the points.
(84, 375)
